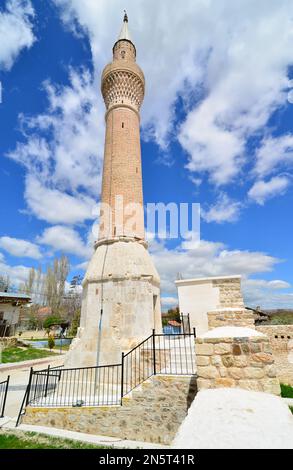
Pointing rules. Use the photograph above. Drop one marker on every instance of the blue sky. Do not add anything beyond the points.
(216, 130)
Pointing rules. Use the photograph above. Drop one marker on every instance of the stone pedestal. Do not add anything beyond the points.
(121, 303)
(236, 357)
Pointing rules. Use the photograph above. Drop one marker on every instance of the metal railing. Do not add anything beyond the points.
(185, 323)
(86, 386)
(3, 395)
(171, 354)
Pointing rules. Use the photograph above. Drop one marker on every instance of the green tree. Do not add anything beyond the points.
(32, 321)
(52, 320)
(74, 324)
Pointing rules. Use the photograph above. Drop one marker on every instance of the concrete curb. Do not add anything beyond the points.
(82, 437)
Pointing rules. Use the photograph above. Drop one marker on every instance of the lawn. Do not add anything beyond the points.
(21, 354)
(32, 440)
(286, 391)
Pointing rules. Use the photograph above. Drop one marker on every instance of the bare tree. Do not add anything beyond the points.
(4, 283)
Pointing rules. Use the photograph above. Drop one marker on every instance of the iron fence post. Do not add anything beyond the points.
(194, 332)
(188, 322)
(47, 381)
(122, 375)
(154, 351)
(29, 386)
(5, 396)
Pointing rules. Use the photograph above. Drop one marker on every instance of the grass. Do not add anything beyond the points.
(43, 339)
(286, 391)
(32, 440)
(19, 354)
(291, 408)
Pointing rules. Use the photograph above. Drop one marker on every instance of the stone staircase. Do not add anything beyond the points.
(152, 412)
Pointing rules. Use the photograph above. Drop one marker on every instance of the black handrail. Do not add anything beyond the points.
(166, 354)
(3, 395)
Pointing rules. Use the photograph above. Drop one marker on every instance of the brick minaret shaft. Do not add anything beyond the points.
(123, 87)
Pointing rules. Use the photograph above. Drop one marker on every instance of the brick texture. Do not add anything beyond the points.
(123, 87)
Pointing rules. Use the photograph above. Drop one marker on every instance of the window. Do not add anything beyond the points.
(122, 125)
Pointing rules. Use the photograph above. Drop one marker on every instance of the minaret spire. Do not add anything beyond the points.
(124, 34)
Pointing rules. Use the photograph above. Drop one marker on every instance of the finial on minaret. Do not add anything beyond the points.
(125, 19)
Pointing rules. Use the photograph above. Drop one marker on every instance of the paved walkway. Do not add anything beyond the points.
(19, 375)
(103, 441)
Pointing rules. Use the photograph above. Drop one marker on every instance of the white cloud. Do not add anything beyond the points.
(273, 152)
(267, 294)
(64, 171)
(275, 284)
(66, 240)
(15, 30)
(56, 206)
(206, 259)
(232, 56)
(263, 190)
(214, 259)
(228, 64)
(17, 274)
(224, 210)
(169, 301)
(20, 248)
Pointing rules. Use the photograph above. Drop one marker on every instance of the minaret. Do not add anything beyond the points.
(121, 288)
(123, 88)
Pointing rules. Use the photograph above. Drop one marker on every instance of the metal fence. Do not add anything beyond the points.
(107, 385)
(86, 386)
(3, 395)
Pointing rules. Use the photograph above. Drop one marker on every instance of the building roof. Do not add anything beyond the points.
(125, 34)
(202, 280)
(174, 323)
(14, 296)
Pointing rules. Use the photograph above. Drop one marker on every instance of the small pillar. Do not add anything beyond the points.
(230, 316)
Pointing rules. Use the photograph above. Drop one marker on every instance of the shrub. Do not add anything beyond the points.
(51, 342)
(286, 391)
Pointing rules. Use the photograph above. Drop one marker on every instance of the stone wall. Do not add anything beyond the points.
(230, 294)
(281, 339)
(230, 316)
(152, 413)
(280, 335)
(240, 358)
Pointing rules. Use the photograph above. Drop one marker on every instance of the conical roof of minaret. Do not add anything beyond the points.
(125, 34)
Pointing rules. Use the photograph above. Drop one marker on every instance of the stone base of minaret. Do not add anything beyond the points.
(120, 306)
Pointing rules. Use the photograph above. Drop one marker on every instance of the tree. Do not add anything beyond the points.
(32, 321)
(172, 314)
(52, 320)
(55, 283)
(4, 283)
(74, 324)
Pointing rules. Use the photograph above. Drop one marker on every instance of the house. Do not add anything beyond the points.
(10, 307)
